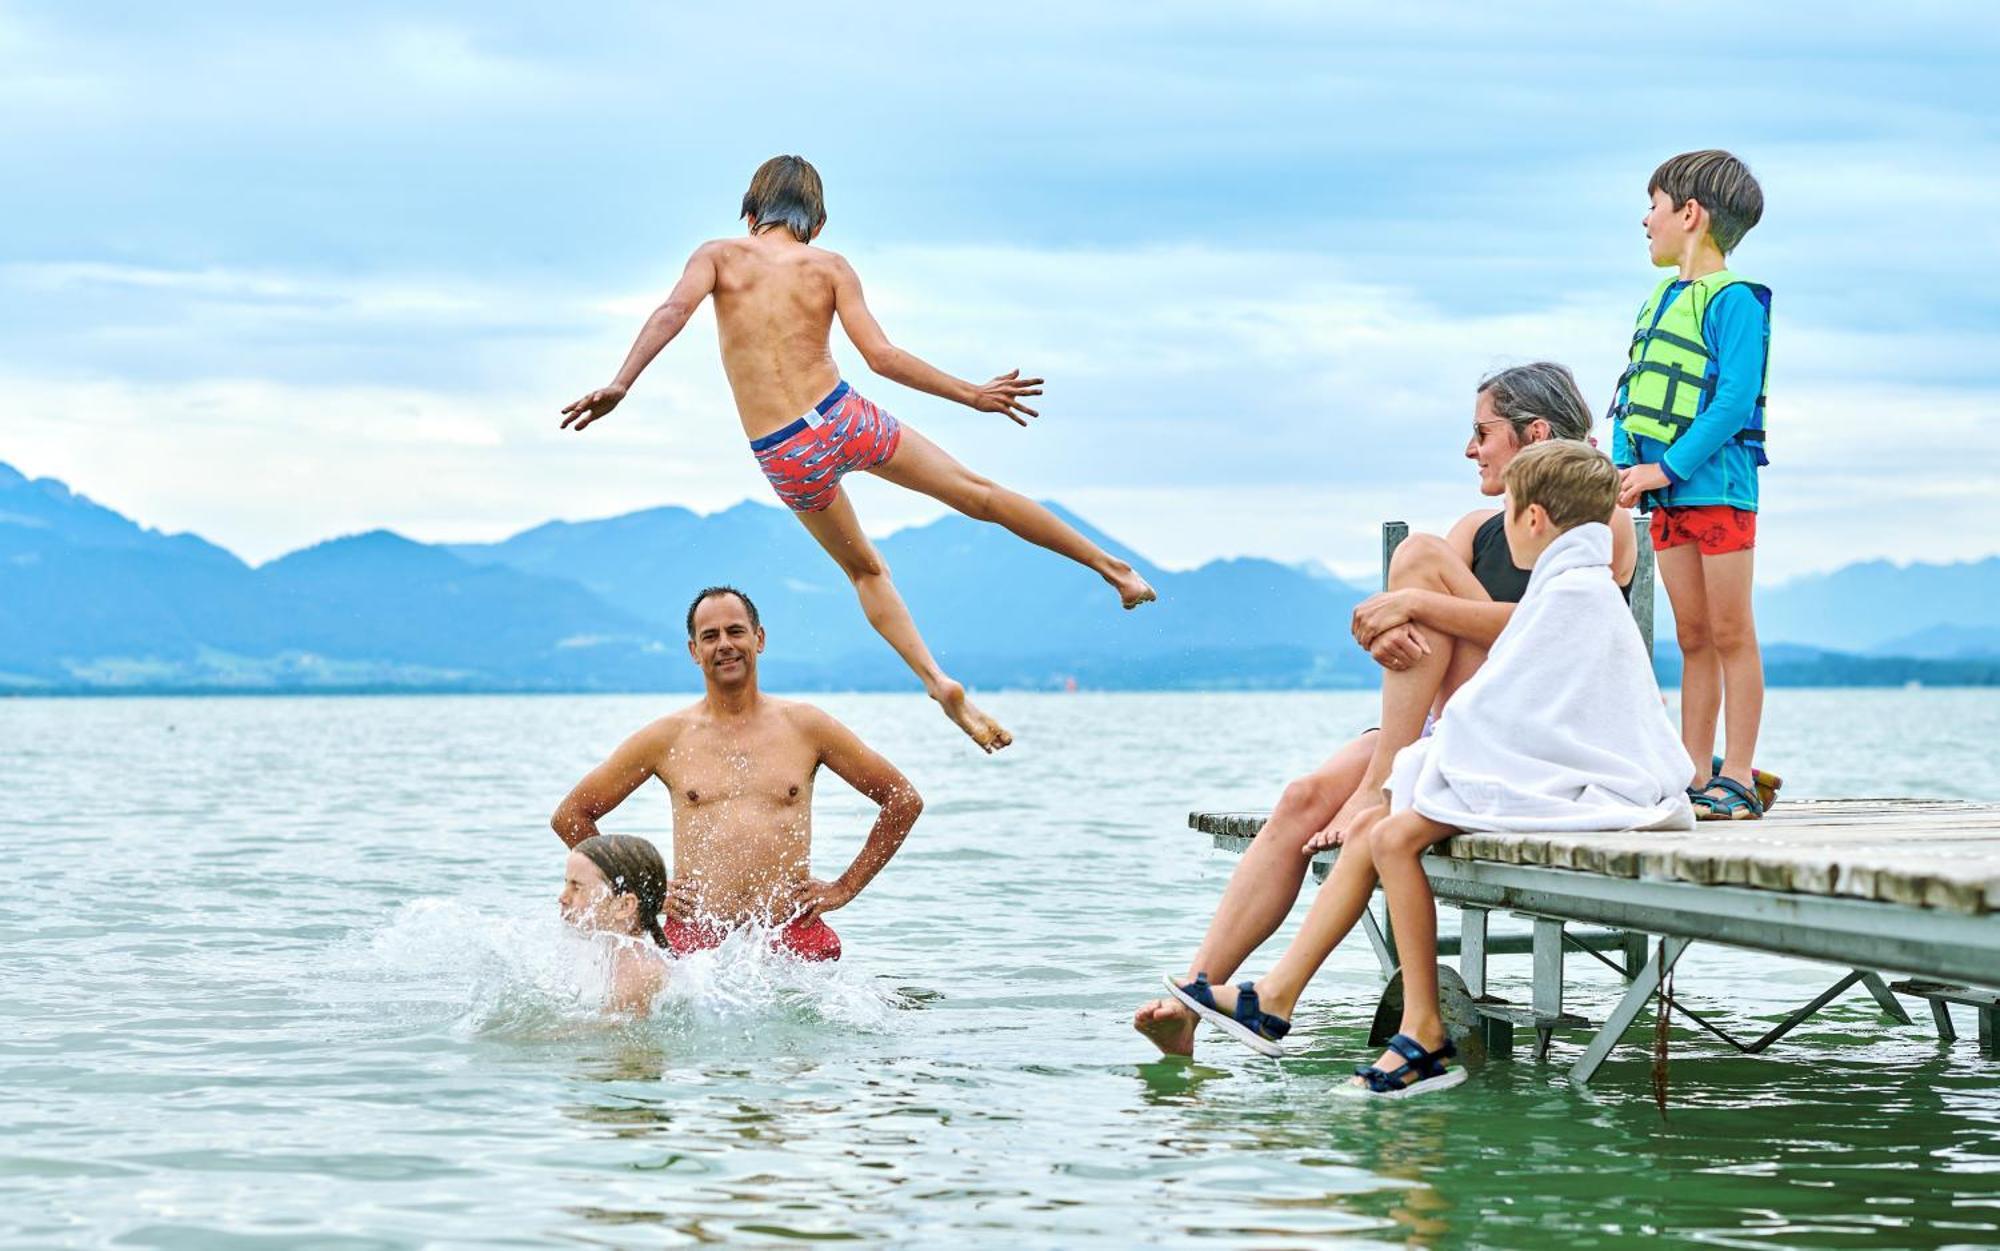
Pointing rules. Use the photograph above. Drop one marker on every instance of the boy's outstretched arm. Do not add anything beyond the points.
(697, 281)
(1002, 395)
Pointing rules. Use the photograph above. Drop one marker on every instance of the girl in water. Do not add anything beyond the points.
(616, 884)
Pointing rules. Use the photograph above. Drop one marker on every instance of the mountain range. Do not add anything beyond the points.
(92, 601)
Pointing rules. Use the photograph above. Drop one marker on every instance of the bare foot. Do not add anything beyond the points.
(984, 730)
(1133, 590)
(1344, 823)
(1168, 1026)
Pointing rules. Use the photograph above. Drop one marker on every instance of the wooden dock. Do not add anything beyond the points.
(1909, 886)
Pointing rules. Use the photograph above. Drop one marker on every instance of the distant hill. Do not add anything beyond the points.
(1789, 664)
(1875, 605)
(91, 601)
(1945, 642)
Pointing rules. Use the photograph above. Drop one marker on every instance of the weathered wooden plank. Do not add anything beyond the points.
(1942, 854)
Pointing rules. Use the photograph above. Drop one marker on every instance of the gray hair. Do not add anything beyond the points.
(1542, 390)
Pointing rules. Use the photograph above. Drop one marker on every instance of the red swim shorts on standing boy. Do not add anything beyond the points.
(811, 939)
(1718, 529)
(805, 461)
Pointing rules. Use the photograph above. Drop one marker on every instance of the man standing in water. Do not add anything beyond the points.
(739, 766)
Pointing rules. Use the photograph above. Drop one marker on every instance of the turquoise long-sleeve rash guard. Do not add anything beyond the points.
(1707, 465)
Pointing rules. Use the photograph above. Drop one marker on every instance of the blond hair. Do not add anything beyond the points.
(1573, 482)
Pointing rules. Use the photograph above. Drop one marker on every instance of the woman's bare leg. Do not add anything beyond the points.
(1261, 890)
(1341, 900)
(839, 532)
(922, 465)
(1409, 695)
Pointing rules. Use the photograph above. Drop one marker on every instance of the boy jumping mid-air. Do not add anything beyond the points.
(775, 300)
(1687, 428)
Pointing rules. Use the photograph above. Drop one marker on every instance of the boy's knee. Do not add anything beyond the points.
(1693, 635)
(1398, 839)
(1731, 635)
(861, 565)
(979, 494)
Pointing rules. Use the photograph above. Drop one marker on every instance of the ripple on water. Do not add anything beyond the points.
(307, 989)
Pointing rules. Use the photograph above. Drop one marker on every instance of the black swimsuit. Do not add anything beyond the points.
(1494, 565)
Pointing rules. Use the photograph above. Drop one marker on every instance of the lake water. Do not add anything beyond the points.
(286, 973)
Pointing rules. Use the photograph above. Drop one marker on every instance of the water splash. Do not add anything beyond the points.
(479, 972)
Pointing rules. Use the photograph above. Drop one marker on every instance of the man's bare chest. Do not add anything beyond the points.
(718, 775)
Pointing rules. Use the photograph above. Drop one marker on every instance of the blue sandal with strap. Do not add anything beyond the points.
(1248, 1024)
(1736, 803)
(1430, 1074)
(1767, 785)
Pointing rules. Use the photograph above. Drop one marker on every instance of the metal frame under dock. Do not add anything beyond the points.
(1909, 886)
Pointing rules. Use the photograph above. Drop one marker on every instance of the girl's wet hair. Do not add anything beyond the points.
(633, 867)
(1543, 389)
(785, 191)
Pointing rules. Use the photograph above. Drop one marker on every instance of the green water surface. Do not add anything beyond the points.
(284, 973)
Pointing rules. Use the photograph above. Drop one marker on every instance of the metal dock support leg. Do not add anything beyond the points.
(1890, 1004)
(1379, 939)
(1985, 1005)
(1472, 950)
(1941, 1013)
(1635, 950)
(1628, 1009)
(1548, 994)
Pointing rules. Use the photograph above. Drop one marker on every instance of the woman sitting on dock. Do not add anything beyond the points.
(1448, 599)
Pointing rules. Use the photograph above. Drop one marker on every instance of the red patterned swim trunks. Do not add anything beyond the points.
(805, 461)
(811, 939)
(1717, 528)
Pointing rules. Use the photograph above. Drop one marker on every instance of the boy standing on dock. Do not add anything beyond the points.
(1687, 429)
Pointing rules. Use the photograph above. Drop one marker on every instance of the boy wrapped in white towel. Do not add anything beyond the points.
(1562, 729)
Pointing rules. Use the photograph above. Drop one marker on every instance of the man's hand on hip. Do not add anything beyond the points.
(813, 896)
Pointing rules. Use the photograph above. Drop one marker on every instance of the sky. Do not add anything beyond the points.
(277, 273)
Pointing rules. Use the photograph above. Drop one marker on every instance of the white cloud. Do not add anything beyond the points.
(1202, 403)
(274, 273)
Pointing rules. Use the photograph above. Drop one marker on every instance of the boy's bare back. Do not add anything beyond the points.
(774, 304)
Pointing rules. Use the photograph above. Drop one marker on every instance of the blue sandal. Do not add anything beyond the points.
(1430, 1074)
(1767, 785)
(1249, 1024)
(1736, 803)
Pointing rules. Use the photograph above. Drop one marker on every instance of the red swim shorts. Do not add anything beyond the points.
(1717, 528)
(811, 939)
(805, 461)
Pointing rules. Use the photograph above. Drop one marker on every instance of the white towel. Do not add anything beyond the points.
(1562, 729)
